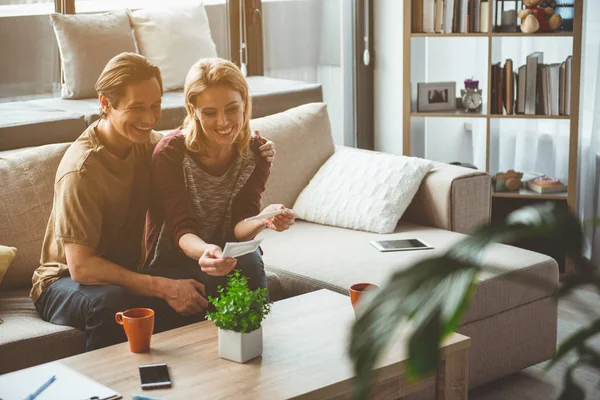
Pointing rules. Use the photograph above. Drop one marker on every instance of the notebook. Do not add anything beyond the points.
(69, 384)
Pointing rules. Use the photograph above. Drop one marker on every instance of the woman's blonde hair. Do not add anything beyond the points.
(204, 74)
(122, 70)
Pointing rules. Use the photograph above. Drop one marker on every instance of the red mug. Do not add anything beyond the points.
(358, 289)
(139, 325)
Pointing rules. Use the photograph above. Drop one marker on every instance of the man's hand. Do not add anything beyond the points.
(186, 296)
(213, 263)
(281, 222)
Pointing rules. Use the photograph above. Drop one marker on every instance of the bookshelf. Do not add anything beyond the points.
(504, 202)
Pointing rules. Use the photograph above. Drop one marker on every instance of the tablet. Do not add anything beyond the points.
(400, 245)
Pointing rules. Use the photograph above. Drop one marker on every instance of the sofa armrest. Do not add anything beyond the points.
(453, 198)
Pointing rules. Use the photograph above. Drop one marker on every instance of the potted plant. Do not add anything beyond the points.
(434, 294)
(238, 314)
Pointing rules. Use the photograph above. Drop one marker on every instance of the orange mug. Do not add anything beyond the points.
(139, 325)
(358, 289)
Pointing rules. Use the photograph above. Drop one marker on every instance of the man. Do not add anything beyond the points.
(93, 242)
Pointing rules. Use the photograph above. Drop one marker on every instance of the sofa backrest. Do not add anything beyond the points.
(27, 180)
(303, 141)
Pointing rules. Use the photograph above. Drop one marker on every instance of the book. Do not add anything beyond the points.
(484, 15)
(554, 88)
(562, 86)
(456, 16)
(428, 16)
(568, 68)
(448, 16)
(417, 16)
(544, 184)
(494, 89)
(69, 384)
(531, 89)
(476, 16)
(509, 86)
(521, 82)
(438, 25)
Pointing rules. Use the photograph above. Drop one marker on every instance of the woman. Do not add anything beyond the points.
(208, 178)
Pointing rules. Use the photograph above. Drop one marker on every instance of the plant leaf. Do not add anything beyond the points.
(432, 294)
(423, 345)
(572, 390)
(573, 341)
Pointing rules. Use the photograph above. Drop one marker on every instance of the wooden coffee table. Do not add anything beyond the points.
(305, 357)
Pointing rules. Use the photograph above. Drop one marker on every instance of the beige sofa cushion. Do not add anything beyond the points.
(309, 256)
(27, 178)
(173, 38)
(86, 43)
(7, 254)
(304, 142)
(27, 340)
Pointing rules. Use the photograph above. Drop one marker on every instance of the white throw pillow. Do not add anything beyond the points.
(361, 189)
(86, 43)
(173, 38)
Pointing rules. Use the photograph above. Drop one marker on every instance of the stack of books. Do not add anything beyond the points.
(544, 184)
(450, 16)
(534, 89)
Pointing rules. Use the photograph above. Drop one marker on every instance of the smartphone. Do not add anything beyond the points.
(400, 245)
(154, 376)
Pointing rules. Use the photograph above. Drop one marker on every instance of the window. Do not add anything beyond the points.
(29, 66)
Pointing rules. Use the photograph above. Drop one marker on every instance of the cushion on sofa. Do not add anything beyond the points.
(173, 38)
(361, 189)
(27, 340)
(335, 258)
(7, 254)
(27, 178)
(303, 139)
(86, 43)
(24, 124)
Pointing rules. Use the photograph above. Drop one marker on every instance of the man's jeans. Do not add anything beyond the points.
(92, 308)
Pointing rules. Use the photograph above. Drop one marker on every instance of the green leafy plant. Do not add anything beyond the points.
(238, 308)
(434, 294)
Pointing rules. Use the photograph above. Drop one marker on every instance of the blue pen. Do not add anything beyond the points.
(143, 397)
(41, 389)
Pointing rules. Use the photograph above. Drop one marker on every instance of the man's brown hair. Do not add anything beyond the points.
(122, 70)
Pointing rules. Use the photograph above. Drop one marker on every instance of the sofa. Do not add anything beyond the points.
(511, 326)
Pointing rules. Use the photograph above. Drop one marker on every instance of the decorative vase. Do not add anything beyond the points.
(240, 347)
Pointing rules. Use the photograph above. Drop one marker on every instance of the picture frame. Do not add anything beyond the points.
(436, 96)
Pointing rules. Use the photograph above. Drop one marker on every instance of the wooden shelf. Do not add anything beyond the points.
(530, 194)
(493, 34)
(447, 35)
(568, 200)
(524, 116)
(463, 114)
(448, 114)
(533, 35)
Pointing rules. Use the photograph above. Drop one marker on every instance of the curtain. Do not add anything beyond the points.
(589, 136)
(302, 42)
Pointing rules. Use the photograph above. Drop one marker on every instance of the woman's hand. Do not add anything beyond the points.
(213, 263)
(281, 222)
(267, 150)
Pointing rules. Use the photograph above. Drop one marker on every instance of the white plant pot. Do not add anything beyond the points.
(240, 347)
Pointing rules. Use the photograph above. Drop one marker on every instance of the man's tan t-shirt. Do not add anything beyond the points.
(100, 201)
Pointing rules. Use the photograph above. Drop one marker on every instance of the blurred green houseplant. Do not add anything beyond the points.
(435, 293)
